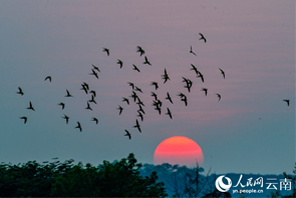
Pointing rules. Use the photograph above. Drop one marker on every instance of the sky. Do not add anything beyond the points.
(250, 130)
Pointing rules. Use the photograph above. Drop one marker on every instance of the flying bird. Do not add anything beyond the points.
(188, 83)
(138, 126)
(95, 119)
(202, 37)
(219, 96)
(287, 101)
(125, 100)
(92, 99)
(24, 118)
(120, 63)
(222, 72)
(194, 69)
(107, 51)
(66, 118)
(155, 84)
(96, 68)
(136, 68)
(128, 134)
(168, 97)
(192, 51)
(165, 76)
(68, 94)
(140, 115)
(138, 89)
(183, 98)
(201, 77)
(205, 90)
(93, 92)
(48, 78)
(132, 85)
(154, 95)
(88, 106)
(78, 126)
(31, 107)
(140, 50)
(20, 91)
(62, 105)
(169, 113)
(146, 61)
(120, 109)
(94, 73)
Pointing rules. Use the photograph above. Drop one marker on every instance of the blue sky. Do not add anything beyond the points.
(251, 130)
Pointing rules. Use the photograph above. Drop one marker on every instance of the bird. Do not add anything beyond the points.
(120, 63)
(192, 51)
(287, 101)
(165, 76)
(94, 73)
(205, 90)
(93, 92)
(86, 85)
(92, 99)
(125, 100)
(141, 109)
(62, 105)
(20, 91)
(66, 118)
(134, 96)
(155, 84)
(169, 113)
(201, 77)
(24, 118)
(107, 51)
(120, 109)
(219, 96)
(138, 126)
(140, 50)
(84, 88)
(95, 119)
(128, 134)
(136, 68)
(222, 72)
(194, 69)
(202, 37)
(140, 102)
(31, 107)
(146, 61)
(183, 98)
(78, 126)
(132, 85)
(138, 89)
(96, 68)
(48, 78)
(154, 95)
(68, 94)
(168, 97)
(88, 106)
(140, 115)
(188, 83)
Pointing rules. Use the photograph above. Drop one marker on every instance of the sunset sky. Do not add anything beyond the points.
(250, 130)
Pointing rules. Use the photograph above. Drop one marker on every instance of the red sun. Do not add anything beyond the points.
(178, 150)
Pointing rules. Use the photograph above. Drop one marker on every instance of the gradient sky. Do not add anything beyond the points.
(251, 130)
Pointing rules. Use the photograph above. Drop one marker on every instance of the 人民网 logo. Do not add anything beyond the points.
(220, 184)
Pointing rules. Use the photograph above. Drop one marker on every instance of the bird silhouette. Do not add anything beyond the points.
(88, 107)
(219, 96)
(107, 51)
(85, 85)
(68, 94)
(141, 109)
(94, 73)
(138, 126)
(165, 76)
(66, 118)
(192, 51)
(31, 107)
(287, 101)
(138, 89)
(168, 97)
(140, 115)
(95, 120)
(188, 83)
(205, 90)
(127, 133)
(62, 105)
(132, 85)
(136, 68)
(120, 109)
(140, 50)
(120, 63)
(125, 100)
(146, 61)
(201, 77)
(154, 95)
(92, 99)
(20, 91)
(169, 113)
(93, 92)
(140, 102)
(202, 37)
(84, 88)
(24, 118)
(78, 126)
(134, 96)
(96, 68)
(155, 84)
(183, 98)
(48, 78)
(222, 72)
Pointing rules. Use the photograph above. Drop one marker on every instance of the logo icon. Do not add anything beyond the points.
(220, 184)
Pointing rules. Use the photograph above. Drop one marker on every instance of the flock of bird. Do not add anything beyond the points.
(134, 96)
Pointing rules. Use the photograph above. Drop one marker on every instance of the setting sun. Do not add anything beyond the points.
(178, 150)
